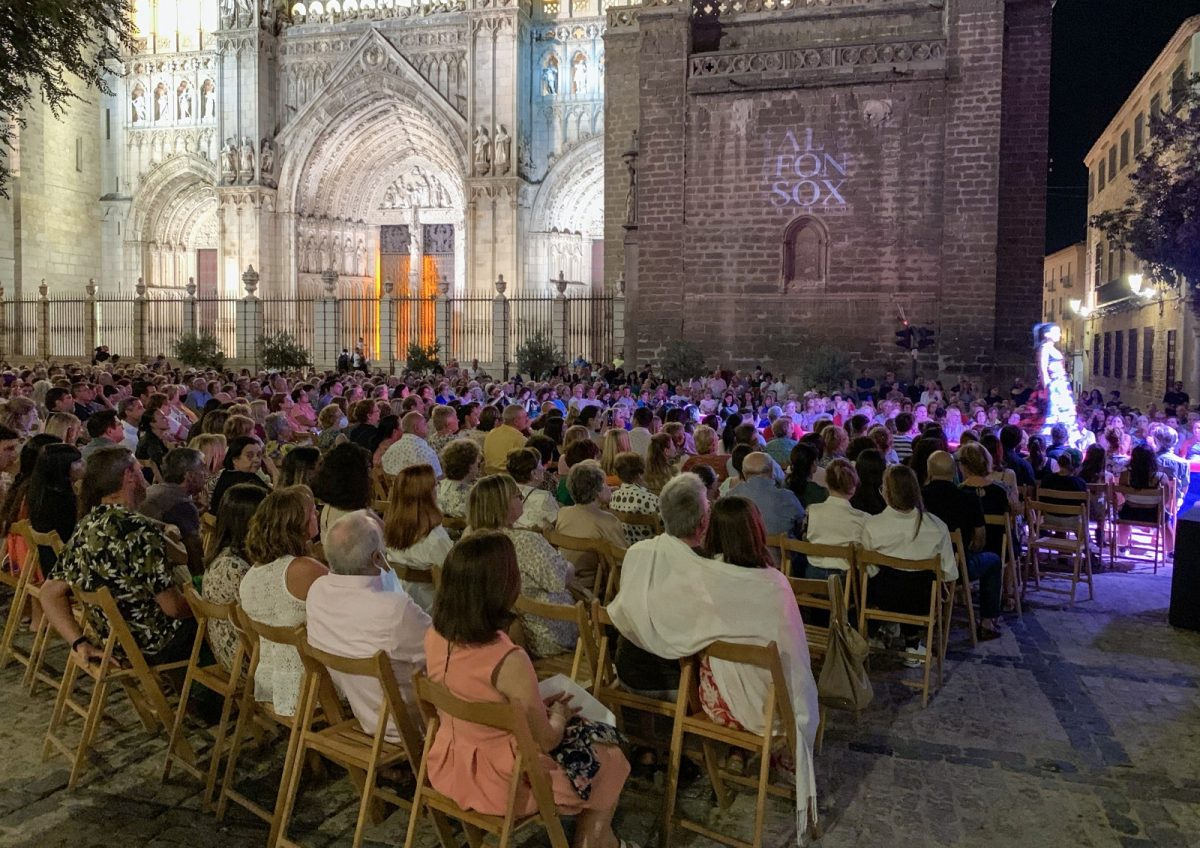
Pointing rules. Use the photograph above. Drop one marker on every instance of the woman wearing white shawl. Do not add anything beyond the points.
(673, 603)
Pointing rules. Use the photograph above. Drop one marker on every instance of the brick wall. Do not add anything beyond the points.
(915, 221)
(621, 46)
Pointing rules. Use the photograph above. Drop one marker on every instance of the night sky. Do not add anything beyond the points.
(1101, 49)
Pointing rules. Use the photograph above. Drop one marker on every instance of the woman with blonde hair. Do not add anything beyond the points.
(659, 462)
(238, 425)
(573, 434)
(64, 425)
(706, 441)
(495, 504)
(274, 590)
(412, 528)
(616, 442)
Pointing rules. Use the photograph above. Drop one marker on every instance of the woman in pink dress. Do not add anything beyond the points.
(468, 651)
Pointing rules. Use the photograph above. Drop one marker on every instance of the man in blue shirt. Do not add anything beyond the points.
(780, 508)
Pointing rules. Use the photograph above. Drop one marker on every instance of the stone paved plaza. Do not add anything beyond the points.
(1077, 728)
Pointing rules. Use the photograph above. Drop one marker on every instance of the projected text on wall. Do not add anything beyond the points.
(803, 173)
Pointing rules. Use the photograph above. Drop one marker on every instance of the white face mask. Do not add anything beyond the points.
(342, 422)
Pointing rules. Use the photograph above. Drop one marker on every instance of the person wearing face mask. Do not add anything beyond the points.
(243, 461)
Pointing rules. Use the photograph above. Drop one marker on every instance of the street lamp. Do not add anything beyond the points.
(1075, 304)
(1135, 283)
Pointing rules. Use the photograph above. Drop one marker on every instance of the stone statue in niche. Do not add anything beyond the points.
(416, 187)
(138, 102)
(323, 252)
(229, 160)
(630, 157)
(483, 152)
(503, 147)
(185, 100)
(579, 74)
(246, 162)
(348, 256)
(245, 13)
(162, 103)
(550, 76)
(208, 101)
(227, 14)
(524, 158)
(389, 197)
(267, 161)
(361, 256)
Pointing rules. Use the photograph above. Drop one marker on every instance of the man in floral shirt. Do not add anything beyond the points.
(113, 546)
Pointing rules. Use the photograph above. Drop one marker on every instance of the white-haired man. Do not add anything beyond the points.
(412, 449)
(353, 613)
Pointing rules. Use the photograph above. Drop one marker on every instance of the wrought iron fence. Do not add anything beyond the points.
(68, 327)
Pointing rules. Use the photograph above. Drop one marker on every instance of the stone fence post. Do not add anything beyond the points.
(442, 320)
(387, 327)
(500, 325)
(249, 320)
(141, 323)
(4, 351)
(90, 319)
(326, 342)
(561, 316)
(618, 321)
(191, 311)
(43, 321)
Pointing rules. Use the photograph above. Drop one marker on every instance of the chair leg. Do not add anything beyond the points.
(671, 784)
(713, 767)
(177, 725)
(364, 804)
(931, 647)
(11, 624)
(821, 716)
(60, 707)
(214, 764)
(760, 802)
(240, 728)
(90, 724)
(37, 653)
(966, 592)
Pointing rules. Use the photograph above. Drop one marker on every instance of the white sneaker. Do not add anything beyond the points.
(914, 657)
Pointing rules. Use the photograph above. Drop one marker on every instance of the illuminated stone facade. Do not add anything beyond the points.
(426, 142)
(808, 171)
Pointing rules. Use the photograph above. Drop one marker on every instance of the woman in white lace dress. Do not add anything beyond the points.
(274, 590)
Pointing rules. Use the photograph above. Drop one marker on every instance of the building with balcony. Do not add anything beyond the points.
(1063, 291)
(1140, 337)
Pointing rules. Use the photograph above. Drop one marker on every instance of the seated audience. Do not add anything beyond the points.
(351, 613)
(461, 462)
(868, 496)
(412, 449)
(412, 528)
(275, 589)
(243, 462)
(706, 442)
(226, 564)
(834, 521)
(633, 497)
(660, 466)
(342, 484)
(1144, 474)
(173, 502)
(469, 652)
(801, 469)
(541, 509)
(587, 518)
(495, 504)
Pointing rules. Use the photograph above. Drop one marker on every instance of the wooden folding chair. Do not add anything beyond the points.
(962, 587)
(438, 705)
(252, 634)
(813, 595)
(226, 683)
(1157, 526)
(607, 555)
(788, 546)
(1065, 534)
(344, 742)
(1099, 496)
(651, 520)
(208, 532)
(932, 620)
(580, 664)
(27, 591)
(609, 691)
(123, 664)
(1012, 579)
(381, 485)
(380, 507)
(454, 525)
(691, 720)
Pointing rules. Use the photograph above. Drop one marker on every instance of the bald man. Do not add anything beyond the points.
(961, 510)
(780, 508)
(411, 449)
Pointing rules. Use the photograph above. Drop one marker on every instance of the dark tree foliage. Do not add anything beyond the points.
(1160, 222)
(51, 47)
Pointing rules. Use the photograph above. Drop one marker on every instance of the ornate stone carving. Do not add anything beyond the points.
(228, 14)
(229, 161)
(208, 101)
(801, 61)
(630, 157)
(503, 146)
(483, 151)
(139, 111)
(246, 160)
(876, 112)
(267, 162)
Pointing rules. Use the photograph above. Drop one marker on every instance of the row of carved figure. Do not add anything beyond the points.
(492, 155)
(237, 163)
(240, 13)
(579, 74)
(342, 256)
(166, 106)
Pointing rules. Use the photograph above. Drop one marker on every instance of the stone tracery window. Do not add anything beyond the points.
(805, 253)
(169, 26)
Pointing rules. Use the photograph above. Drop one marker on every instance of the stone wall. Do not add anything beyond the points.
(50, 223)
(890, 134)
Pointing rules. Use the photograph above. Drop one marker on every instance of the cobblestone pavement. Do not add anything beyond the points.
(1077, 728)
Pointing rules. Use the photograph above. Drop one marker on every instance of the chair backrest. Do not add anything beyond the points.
(766, 658)
(587, 648)
(380, 506)
(256, 631)
(813, 595)
(378, 667)
(1077, 510)
(454, 523)
(1060, 496)
(960, 551)
(208, 532)
(153, 466)
(33, 539)
(868, 557)
(119, 634)
(788, 545)
(601, 547)
(1004, 521)
(410, 574)
(1156, 498)
(436, 700)
(640, 519)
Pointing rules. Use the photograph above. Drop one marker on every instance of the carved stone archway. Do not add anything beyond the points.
(567, 217)
(173, 215)
(377, 146)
